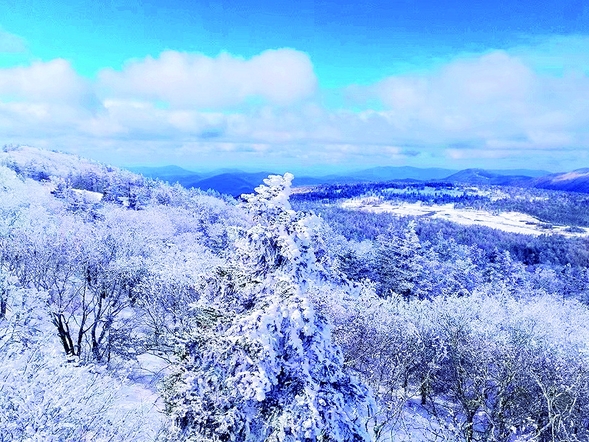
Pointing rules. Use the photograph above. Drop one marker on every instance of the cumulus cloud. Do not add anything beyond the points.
(281, 76)
(54, 81)
(492, 101)
(144, 120)
(491, 107)
(43, 100)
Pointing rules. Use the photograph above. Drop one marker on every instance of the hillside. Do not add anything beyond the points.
(136, 310)
(485, 177)
(575, 181)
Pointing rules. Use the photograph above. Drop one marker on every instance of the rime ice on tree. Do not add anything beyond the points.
(270, 371)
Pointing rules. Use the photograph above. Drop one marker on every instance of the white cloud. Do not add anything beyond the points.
(486, 100)
(189, 108)
(465, 95)
(54, 81)
(281, 76)
(124, 118)
(44, 100)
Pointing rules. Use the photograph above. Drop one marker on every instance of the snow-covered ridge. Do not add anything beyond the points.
(572, 175)
(51, 162)
(513, 222)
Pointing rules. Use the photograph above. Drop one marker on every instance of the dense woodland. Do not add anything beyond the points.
(135, 310)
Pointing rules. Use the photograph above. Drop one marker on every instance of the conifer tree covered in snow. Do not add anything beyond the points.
(398, 261)
(266, 368)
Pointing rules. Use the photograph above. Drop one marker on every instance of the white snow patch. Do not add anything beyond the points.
(88, 195)
(571, 176)
(513, 222)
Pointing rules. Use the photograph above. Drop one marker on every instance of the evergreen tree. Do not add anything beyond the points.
(261, 364)
(398, 265)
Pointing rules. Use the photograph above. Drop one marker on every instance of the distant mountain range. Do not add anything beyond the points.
(164, 173)
(575, 181)
(232, 183)
(229, 181)
(235, 182)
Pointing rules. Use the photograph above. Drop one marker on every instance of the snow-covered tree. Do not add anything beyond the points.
(265, 367)
(398, 262)
(46, 397)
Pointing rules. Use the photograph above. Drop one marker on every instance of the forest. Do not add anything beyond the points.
(136, 310)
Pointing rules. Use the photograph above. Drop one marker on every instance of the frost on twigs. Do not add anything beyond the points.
(45, 397)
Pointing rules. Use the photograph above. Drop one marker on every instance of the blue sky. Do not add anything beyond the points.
(300, 85)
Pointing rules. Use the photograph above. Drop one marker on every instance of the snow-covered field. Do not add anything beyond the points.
(513, 222)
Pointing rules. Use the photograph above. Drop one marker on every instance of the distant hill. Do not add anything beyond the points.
(376, 174)
(575, 181)
(228, 181)
(41, 164)
(225, 183)
(315, 181)
(521, 172)
(486, 177)
(234, 183)
(171, 174)
(400, 173)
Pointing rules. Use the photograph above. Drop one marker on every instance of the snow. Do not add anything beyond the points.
(89, 196)
(54, 163)
(572, 175)
(513, 222)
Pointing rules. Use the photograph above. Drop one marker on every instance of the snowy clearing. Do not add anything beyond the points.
(88, 195)
(513, 222)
